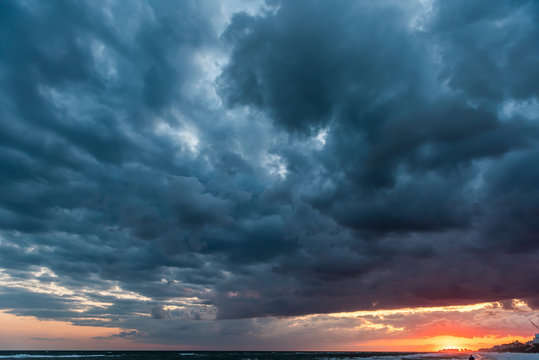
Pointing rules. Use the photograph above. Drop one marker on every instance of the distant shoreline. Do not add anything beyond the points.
(514, 347)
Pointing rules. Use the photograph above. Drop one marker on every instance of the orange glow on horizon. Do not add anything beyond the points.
(439, 331)
(30, 333)
(437, 343)
(408, 329)
(27, 333)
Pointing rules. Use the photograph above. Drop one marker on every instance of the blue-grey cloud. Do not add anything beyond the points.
(187, 162)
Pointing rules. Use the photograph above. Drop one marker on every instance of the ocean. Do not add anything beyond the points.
(254, 355)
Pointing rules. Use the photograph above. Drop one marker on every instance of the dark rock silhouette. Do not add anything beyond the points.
(516, 347)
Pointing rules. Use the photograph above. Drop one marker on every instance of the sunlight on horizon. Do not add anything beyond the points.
(26, 332)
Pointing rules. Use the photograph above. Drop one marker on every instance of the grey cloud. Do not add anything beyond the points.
(47, 339)
(403, 154)
(485, 61)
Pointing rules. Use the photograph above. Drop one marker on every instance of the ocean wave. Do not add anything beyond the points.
(43, 356)
(190, 354)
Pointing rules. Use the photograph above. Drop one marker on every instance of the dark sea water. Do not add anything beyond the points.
(251, 355)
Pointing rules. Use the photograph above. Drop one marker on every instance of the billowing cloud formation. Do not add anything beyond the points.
(188, 161)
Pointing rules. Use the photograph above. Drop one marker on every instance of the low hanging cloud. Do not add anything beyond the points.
(178, 162)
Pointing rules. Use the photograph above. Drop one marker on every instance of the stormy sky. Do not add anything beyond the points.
(198, 172)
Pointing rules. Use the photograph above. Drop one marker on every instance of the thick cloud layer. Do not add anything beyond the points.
(194, 160)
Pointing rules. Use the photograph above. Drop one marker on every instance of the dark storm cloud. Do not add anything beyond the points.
(416, 136)
(484, 60)
(163, 159)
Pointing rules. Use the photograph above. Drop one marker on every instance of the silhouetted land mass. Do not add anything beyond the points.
(515, 347)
